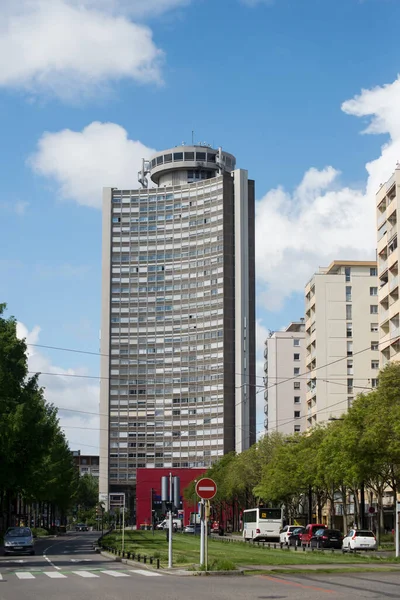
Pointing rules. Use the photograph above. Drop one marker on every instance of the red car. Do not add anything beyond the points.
(309, 532)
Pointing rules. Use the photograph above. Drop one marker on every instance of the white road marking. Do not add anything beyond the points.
(15, 561)
(84, 573)
(146, 573)
(24, 575)
(80, 560)
(51, 563)
(1, 577)
(115, 573)
(54, 575)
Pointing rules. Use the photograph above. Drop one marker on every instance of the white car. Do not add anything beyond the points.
(285, 532)
(359, 539)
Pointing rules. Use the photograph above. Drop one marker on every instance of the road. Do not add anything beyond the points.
(67, 568)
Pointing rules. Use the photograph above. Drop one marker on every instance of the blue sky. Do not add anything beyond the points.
(266, 80)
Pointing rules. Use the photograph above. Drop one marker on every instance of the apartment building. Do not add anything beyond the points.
(342, 337)
(388, 269)
(285, 382)
(178, 317)
(86, 464)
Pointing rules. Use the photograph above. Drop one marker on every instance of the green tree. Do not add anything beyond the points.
(87, 495)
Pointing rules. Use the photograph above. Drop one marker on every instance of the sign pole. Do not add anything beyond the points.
(207, 512)
(201, 533)
(170, 524)
(206, 489)
(396, 531)
(123, 526)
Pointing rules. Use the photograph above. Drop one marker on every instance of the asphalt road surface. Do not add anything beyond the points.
(67, 568)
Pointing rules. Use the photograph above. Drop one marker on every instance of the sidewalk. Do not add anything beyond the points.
(322, 567)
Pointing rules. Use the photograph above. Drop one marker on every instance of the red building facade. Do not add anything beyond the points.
(148, 492)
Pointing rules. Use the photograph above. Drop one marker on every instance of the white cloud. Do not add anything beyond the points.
(72, 49)
(134, 8)
(72, 393)
(321, 220)
(82, 162)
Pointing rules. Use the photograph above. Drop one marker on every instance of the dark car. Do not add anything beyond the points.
(327, 538)
(81, 527)
(294, 539)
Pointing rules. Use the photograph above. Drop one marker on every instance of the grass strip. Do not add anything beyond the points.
(186, 552)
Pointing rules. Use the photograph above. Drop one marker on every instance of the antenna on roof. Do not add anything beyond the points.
(192, 137)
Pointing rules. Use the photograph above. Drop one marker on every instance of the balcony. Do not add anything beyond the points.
(383, 291)
(392, 232)
(394, 334)
(383, 314)
(382, 265)
(393, 283)
(381, 218)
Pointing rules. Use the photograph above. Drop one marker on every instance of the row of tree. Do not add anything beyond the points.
(333, 463)
(37, 472)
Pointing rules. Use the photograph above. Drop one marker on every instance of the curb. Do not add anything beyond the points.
(178, 572)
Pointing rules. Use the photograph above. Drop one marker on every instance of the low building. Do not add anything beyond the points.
(86, 464)
(285, 386)
(148, 493)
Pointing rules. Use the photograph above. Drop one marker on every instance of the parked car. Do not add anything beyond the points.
(286, 532)
(309, 532)
(81, 527)
(176, 524)
(18, 540)
(327, 538)
(359, 539)
(195, 529)
(294, 538)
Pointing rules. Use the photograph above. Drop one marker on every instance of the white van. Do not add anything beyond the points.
(176, 524)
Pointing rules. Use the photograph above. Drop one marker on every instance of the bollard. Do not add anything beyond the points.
(128, 555)
(138, 557)
(123, 553)
(133, 555)
(274, 546)
(288, 547)
(295, 547)
(158, 563)
(281, 545)
(333, 550)
(144, 559)
(304, 548)
(151, 560)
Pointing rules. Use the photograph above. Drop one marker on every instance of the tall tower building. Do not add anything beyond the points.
(388, 269)
(285, 386)
(178, 316)
(342, 338)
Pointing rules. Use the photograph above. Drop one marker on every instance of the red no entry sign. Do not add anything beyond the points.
(206, 488)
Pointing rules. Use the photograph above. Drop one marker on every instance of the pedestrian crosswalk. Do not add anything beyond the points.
(83, 573)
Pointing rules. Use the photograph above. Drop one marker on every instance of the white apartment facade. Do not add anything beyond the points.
(285, 385)
(388, 269)
(342, 337)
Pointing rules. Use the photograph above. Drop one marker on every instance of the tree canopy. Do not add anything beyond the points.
(36, 464)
